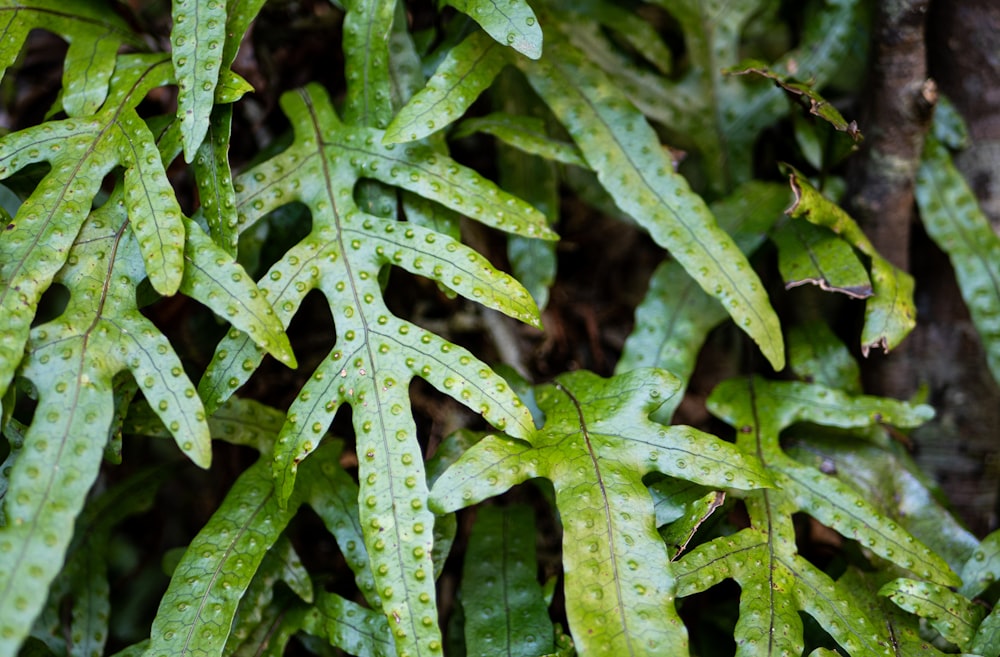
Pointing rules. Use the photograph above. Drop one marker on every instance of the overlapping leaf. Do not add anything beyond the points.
(198, 38)
(719, 115)
(776, 581)
(597, 444)
(95, 33)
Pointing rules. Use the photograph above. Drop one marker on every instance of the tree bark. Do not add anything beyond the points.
(895, 119)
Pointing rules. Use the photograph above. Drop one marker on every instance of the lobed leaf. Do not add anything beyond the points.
(509, 22)
(81, 151)
(376, 353)
(501, 598)
(631, 164)
(955, 222)
(198, 38)
(890, 313)
(77, 356)
(597, 444)
(776, 581)
(94, 32)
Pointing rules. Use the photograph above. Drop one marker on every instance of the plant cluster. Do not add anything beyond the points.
(576, 100)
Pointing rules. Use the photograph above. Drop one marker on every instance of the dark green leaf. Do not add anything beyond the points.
(504, 610)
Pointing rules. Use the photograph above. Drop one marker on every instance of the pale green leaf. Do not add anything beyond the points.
(466, 71)
(377, 354)
(890, 313)
(634, 168)
(198, 38)
(809, 254)
(82, 151)
(761, 409)
(983, 567)
(509, 22)
(502, 601)
(776, 582)
(951, 614)
(597, 444)
(817, 355)
(524, 133)
(954, 220)
(214, 278)
(95, 33)
(986, 642)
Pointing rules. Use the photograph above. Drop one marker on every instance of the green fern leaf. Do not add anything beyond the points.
(510, 22)
(82, 151)
(597, 444)
(815, 255)
(890, 313)
(279, 622)
(502, 601)
(983, 569)
(196, 613)
(84, 578)
(95, 33)
(524, 133)
(281, 563)
(817, 355)
(987, 639)
(198, 38)
(215, 180)
(955, 222)
(344, 624)
(77, 356)
(467, 70)
(673, 345)
(376, 353)
(954, 616)
(367, 27)
(776, 581)
(631, 164)
(894, 627)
